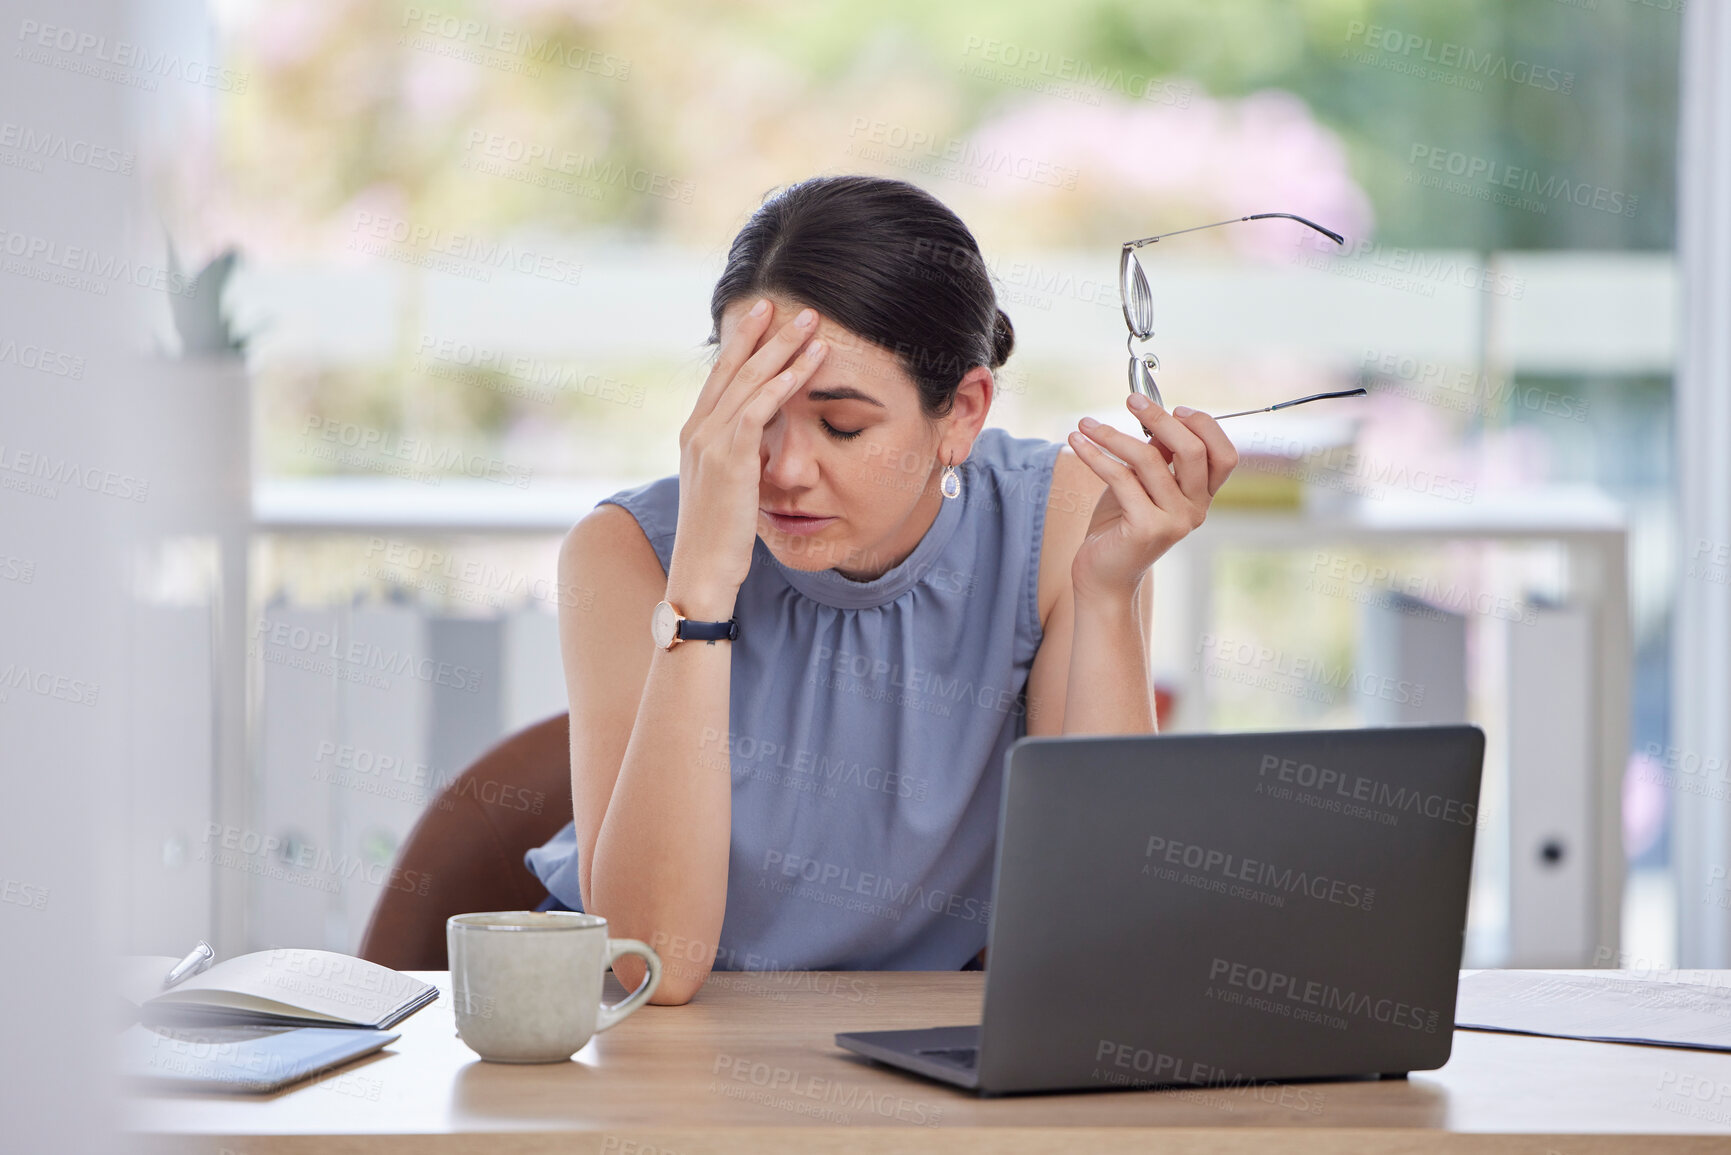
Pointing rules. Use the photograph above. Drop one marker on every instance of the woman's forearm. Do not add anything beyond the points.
(658, 871)
(1108, 691)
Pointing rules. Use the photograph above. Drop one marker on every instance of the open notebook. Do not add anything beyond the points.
(241, 1058)
(294, 988)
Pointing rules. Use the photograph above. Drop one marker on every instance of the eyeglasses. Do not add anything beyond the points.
(1139, 314)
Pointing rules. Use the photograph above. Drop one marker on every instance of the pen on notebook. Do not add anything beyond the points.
(197, 959)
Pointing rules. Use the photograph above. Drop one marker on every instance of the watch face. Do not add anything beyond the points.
(661, 624)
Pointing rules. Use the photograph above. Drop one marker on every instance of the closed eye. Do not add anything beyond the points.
(839, 434)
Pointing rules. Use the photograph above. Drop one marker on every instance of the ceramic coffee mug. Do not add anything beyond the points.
(527, 984)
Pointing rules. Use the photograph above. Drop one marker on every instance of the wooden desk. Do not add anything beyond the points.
(750, 1065)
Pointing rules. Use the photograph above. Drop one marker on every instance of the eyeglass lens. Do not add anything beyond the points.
(1137, 297)
(1138, 302)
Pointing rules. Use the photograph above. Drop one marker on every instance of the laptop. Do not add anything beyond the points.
(1200, 909)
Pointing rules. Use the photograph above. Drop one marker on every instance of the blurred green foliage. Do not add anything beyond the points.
(364, 107)
(733, 97)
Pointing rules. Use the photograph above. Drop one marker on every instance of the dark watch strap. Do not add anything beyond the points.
(711, 632)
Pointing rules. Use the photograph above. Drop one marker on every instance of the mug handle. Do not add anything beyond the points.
(611, 1014)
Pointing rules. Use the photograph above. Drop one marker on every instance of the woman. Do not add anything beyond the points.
(912, 593)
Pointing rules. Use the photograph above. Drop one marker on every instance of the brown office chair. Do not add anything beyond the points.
(469, 846)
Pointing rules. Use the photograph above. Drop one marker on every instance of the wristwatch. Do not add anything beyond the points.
(669, 627)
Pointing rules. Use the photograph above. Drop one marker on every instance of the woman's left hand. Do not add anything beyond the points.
(1154, 500)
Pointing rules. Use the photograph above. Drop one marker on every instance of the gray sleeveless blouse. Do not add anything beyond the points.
(868, 727)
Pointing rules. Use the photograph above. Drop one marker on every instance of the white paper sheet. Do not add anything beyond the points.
(1684, 1009)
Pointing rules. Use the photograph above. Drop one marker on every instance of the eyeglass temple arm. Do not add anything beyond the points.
(1329, 233)
(1295, 401)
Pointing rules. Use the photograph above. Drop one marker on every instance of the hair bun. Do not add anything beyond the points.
(1003, 339)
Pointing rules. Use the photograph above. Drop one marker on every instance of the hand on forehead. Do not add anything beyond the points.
(862, 362)
(782, 311)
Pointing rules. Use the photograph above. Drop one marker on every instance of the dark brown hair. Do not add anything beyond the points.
(883, 259)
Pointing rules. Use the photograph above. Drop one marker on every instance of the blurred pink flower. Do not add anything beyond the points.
(383, 201)
(284, 35)
(1644, 804)
(1206, 159)
(1510, 458)
(1414, 442)
(435, 87)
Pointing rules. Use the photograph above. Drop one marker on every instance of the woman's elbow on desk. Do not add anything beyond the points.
(664, 996)
(681, 979)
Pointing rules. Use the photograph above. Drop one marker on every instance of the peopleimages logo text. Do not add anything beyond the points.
(1459, 57)
(53, 472)
(1327, 996)
(1257, 872)
(90, 47)
(1163, 1069)
(901, 894)
(1549, 186)
(361, 655)
(1261, 665)
(271, 856)
(1361, 789)
(388, 448)
(45, 144)
(507, 41)
(1413, 270)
